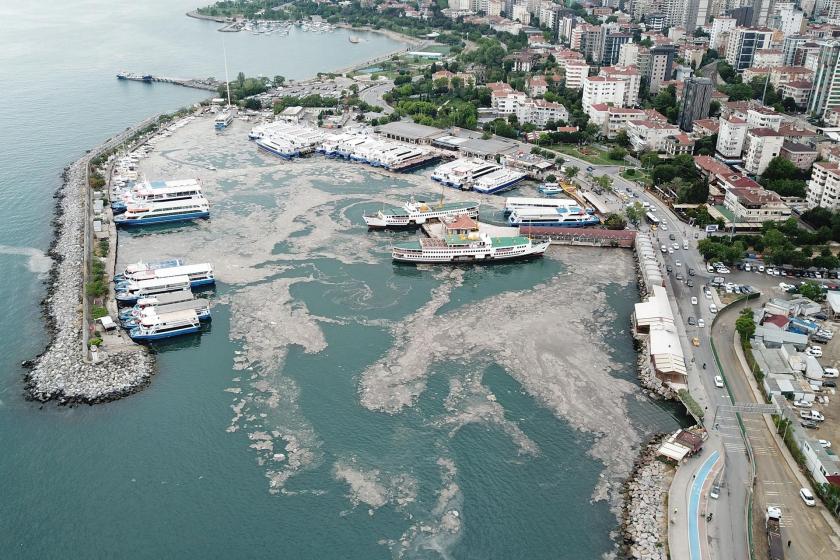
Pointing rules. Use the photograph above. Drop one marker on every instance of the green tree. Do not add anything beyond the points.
(240, 79)
(617, 153)
(571, 171)
(812, 291)
(622, 139)
(634, 212)
(615, 221)
(279, 80)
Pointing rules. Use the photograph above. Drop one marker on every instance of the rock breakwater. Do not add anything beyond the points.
(61, 372)
(644, 527)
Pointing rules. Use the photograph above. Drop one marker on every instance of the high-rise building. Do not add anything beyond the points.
(826, 89)
(661, 65)
(611, 47)
(743, 15)
(731, 136)
(630, 76)
(742, 44)
(720, 26)
(697, 98)
(789, 47)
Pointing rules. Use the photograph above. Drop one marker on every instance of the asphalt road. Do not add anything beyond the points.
(373, 95)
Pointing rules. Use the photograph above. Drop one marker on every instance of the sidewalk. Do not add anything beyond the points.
(679, 499)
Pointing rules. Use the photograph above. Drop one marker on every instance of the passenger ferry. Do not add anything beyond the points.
(199, 275)
(138, 267)
(135, 318)
(156, 300)
(278, 147)
(157, 191)
(145, 288)
(146, 213)
(223, 120)
(514, 203)
(476, 174)
(257, 132)
(417, 213)
(552, 217)
(550, 189)
(167, 325)
(474, 248)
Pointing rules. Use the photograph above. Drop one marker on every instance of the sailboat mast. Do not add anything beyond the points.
(227, 78)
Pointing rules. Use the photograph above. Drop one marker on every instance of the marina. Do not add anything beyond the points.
(479, 175)
(286, 140)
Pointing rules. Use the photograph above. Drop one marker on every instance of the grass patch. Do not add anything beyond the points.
(98, 312)
(586, 153)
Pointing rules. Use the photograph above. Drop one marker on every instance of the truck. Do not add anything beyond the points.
(774, 533)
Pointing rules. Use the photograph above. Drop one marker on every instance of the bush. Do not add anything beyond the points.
(690, 404)
(95, 342)
(98, 312)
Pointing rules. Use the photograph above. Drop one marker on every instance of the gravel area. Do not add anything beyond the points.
(60, 372)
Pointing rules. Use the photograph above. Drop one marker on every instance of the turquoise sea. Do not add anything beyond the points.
(481, 465)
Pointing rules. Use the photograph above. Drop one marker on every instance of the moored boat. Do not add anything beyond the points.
(223, 120)
(199, 275)
(145, 288)
(141, 266)
(135, 317)
(146, 213)
(550, 189)
(417, 213)
(552, 217)
(157, 327)
(473, 248)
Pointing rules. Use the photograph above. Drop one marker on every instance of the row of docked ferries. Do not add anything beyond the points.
(361, 147)
(286, 140)
(161, 299)
(482, 176)
(156, 202)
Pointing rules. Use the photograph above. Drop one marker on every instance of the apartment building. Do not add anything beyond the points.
(731, 137)
(598, 89)
(650, 135)
(743, 43)
(631, 78)
(824, 186)
(762, 145)
(751, 204)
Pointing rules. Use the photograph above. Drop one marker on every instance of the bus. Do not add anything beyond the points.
(653, 220)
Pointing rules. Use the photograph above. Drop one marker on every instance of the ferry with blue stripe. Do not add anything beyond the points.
(168, 325)
(278, 148)
(149, 213)
(135, 319)
(552, 217)
(155, 300)
(157, 191)
(223, 120)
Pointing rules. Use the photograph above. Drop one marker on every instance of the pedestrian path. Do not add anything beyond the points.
(694, 512)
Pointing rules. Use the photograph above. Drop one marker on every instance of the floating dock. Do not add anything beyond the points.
(149, 78)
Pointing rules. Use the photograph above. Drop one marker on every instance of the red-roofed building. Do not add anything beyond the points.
(613, 120)
(678, 145)
(461, 225)
(778, 321)
(763, 144)
(798, 90)
(537, 86)
(705, 127)
(755, 204)
(711, 168)
(650, 135)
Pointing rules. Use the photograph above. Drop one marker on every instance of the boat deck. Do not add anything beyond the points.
(436, 230)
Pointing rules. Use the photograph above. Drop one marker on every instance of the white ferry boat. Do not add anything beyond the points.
(156, 300)
(278, 147)
(514, 203)
(167, 325)
(477, 248)
(199, 274)
(145, 288)
(417, 213)
(157, 191)
(147, 213)
(134, 268)
(482, 176)
(257, 132)
(552, 217)
(550, 189)
(135, 318)
(223, 120)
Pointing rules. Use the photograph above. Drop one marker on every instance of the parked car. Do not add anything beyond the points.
(817, 416)
(810, 424)
(672, 237)
(722, 270)
(718, 381)
(715, 493)
(691, 272)
(689, 283)
(701, 323)
(676, 246)
(691, 321)
(807, 497)
(824, 443)
(670, 251)
(709, 268)
(708, 294)
(802, 403)
(664, 249)
(693, 300)
(685, 245)
(831, 372)
(713, 308)
(814, 351)
(669, 268)
(678, 263)
(829, 383)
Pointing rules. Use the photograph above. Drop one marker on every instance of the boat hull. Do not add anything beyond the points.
(500, 188)
(587, 223)
(162, 219)
(136, 335)
(277, 153)
(534, 252)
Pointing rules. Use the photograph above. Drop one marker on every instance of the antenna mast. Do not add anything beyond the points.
(227, 78)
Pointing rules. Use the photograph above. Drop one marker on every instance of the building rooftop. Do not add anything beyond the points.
(763, 132)
(755, 196)
(408, 129)
(711, 165)
(797, 148)
(708, 124)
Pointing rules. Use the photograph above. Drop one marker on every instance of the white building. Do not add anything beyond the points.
(612, 120)
(731, 137)
(631, 78)
(576, 71)
(763, 117)
(755, 204)
(597, 89)
(721, 26)
(767, 58)
(650, 135)
(763, 144)
(824, 186)
(540, 112)
(628, 55)
(742, 44)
